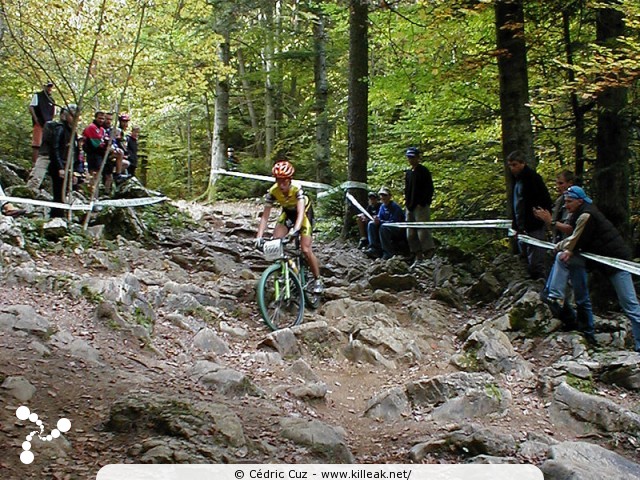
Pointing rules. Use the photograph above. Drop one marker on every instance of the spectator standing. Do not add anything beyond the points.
(592, 233)
(41, 166)
(132, 150)
(418, 194)
(386, 241)
(529, 192)
(42, 109)
(63, 141)
(372, 208)
(232, 160)
(558, 219)
(558, 222)
(94, 146)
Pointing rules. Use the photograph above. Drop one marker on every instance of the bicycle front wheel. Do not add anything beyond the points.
(280, 307)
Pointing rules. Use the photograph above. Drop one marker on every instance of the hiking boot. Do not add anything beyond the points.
(364, 242)
(372, 253)
(591, 339)
(553, 304)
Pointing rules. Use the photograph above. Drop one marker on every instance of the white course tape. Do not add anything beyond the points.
(328, 189)
(43, 203)
(319, 186)
(352, 184)
(454, 224)
(84, 207)
(358, 206)
(618, 263)
(130, 202)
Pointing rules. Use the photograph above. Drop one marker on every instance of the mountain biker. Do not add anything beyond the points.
(297, 215)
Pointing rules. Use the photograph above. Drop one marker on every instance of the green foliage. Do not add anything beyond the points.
(582, 384)
(92, 296)
(141, 318)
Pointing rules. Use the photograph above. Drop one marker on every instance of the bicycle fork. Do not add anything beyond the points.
(287, 284)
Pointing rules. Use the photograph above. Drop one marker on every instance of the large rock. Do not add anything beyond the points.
(221, 379)
(490, 349)
(208, 340)
(55, 229)
(19, 387)
(357, 351)
(486, 289)
(282, 341)
(325, 441)
(352, 313)
(585, 461)
(471, 440)
(10, 232)
(25, 318)
(389, 405)
(459, 396)
(121, 221)
(184, 428)
(620, 368)
(583, 412)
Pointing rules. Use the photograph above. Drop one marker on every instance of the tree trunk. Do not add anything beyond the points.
(246, 87)
(323, 128)
(221, 118)
(514, 85)
(611, 174)
(189, 170)
(578, 110)
(358, 114)
(269, 90)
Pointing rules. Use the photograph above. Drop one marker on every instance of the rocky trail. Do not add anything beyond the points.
(156, 353)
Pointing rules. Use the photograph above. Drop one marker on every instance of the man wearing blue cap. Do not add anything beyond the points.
(593, 233)
(418, 194)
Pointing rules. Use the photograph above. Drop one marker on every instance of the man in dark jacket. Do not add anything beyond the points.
(592, 233)
(132, 150)
(529, 193)
(62, 142)
(42, 109)
(418, 194)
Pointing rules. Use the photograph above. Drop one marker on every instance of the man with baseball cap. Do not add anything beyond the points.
(42, 109)
(593, 233)
(418, 194)
(386, 241)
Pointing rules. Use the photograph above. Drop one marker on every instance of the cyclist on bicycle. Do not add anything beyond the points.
(297, 215)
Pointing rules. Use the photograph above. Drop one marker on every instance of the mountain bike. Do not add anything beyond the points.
(285, 287)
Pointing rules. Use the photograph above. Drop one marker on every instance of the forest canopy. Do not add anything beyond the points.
(433, 82)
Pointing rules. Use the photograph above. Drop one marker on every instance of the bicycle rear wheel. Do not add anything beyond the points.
(276, 309)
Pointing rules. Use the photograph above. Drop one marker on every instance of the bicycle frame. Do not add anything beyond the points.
(280, 292)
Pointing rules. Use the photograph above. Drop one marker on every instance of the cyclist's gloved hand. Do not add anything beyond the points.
(295, 233)
(259, 243)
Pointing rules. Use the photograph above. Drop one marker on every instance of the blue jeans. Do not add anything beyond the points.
(623, 285)
(556, 287)
(621, 281)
